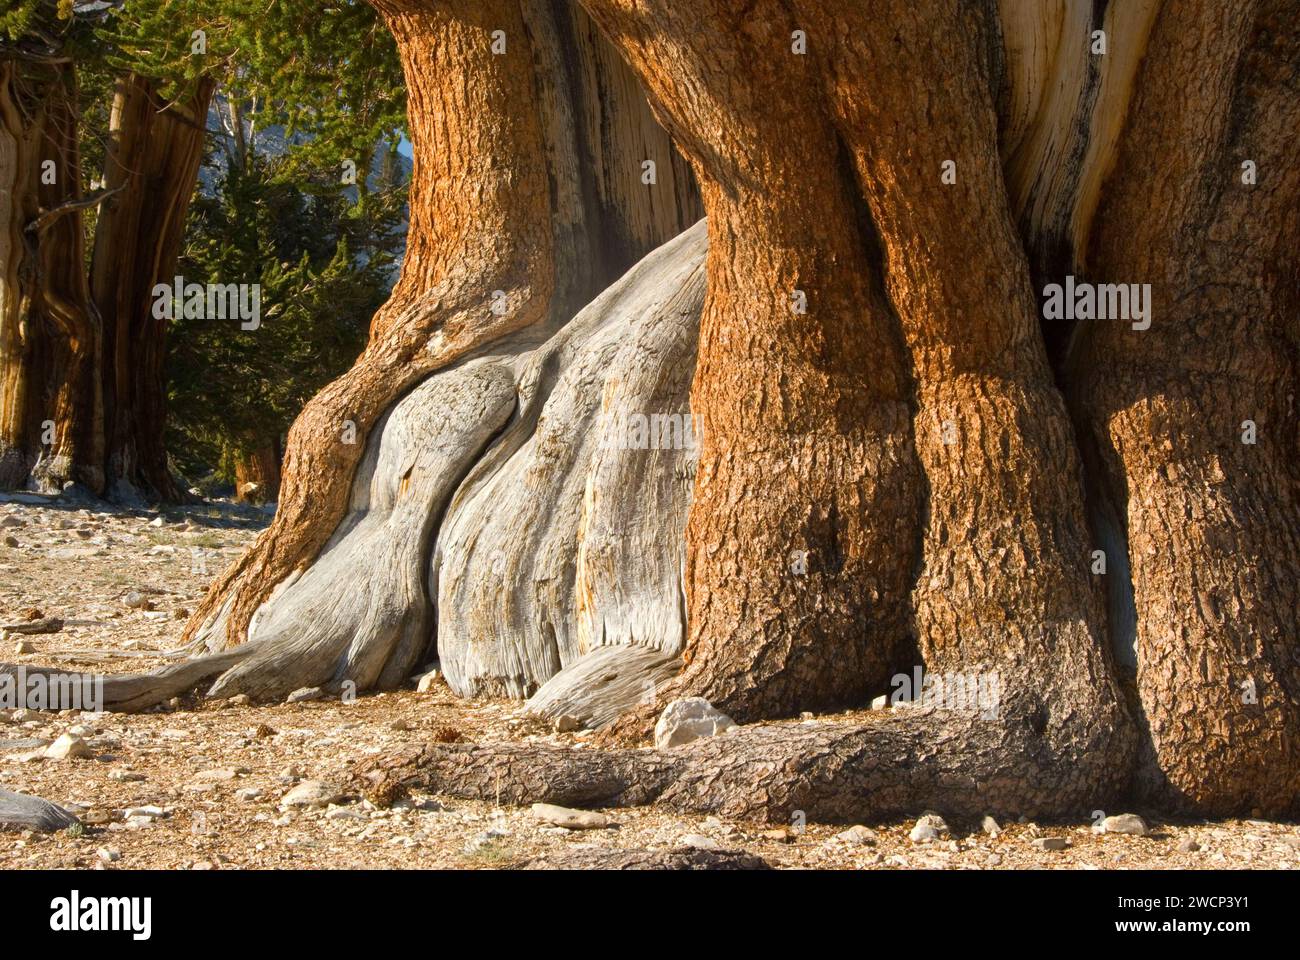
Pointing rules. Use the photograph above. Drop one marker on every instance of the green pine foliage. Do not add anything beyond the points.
(324, 264)
(306, 89)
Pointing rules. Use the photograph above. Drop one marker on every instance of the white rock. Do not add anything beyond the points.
(990, 826)
(857, 835)
(135, 600)
(700, 842)
(310, 793)
(304, 694)
(213, 776)
(567, 724)
(929, 828)
(427, 681)
(570, 819)
(144, 813)
(1129, 823)
(24, 646)
(68, 747)
(690, 719)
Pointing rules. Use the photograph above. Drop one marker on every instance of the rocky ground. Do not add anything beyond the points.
(224, 786)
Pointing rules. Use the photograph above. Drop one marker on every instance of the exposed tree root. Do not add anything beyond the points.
(640, 858)
(542, 427)
(132, 692)
(906, 760)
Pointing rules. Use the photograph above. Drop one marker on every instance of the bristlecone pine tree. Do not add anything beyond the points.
(81, 375)
(990, 349)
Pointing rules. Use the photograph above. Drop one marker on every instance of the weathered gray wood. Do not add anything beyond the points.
(597, 688)
(561, 540)
(478, 489)
(19, 811)
(496, 514)
(130, 692)
(44, 625)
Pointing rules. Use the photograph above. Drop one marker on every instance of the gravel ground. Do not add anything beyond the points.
(204, 785)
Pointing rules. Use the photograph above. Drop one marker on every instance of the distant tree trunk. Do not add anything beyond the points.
(257, 474)
(154, 152)
(51, 417)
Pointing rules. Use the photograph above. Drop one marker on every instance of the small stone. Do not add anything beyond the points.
(700, 842)
(248, 794)
(880, 703)
(990, 826)
(11, 541)
(125, 776)
(240, 700)
(144, 813)
(993, 859)
(157, 522)
(68, 747)
(1189, 846)
(565, 723)
(303, 694)
(24, 646)
(135, 600)
(108, 854)
(929, 828)
(1129, 823)
(781, 835)
(344, 813)
(310, 793)
(427, 681)
(400, 725)
(689, 719)
(569, 819)
(1050, 843)
(216, 776)
(857, 835)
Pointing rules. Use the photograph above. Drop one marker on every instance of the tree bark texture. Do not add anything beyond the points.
(901, 463)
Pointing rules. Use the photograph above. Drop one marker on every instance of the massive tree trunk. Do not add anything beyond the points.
(81, 357)
(50, 416)
(889, 475)
(1194, 420)
(153, 157)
